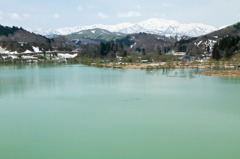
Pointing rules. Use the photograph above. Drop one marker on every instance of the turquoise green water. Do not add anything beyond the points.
(80, 112)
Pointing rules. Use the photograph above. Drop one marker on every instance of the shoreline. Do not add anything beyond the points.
(150, 66)
(225, 71)
(222, 73)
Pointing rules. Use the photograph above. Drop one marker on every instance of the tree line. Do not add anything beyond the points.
(104, 50)
(181, 44)
(8, 30)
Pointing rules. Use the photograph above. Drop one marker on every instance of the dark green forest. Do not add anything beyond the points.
(226, 48)
(104, 50)
(181, 45)
(8, 30)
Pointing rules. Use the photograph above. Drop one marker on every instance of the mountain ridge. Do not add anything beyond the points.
(94, 36)
(151, 26)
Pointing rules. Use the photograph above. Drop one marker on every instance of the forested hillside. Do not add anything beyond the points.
(227, 47)
(20, 40)
(225, 40)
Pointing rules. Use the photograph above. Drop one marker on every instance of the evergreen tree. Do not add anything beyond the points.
(182, 48)
(138, 49)
(7, 30)
(165, 50)
(208, 49)
(143, 52)
(124, 53)
(216, 54)
(227, 47)
(159, 52)
(102, 49)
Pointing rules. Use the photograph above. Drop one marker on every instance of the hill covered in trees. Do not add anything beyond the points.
(133, 44)
(94, 36)
(226, 47)
(104, 50)
(147, 43)
(20, 40)
(8, 30)
(199, 46)
(102, 43)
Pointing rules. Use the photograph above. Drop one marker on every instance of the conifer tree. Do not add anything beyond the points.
(216, 54)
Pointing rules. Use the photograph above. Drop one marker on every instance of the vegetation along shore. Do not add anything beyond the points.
(217, 50)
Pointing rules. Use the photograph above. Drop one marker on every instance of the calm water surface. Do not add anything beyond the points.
(80, 112)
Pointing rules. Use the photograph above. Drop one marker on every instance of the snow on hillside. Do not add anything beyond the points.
(153, 26)
(4, 51)
(207, 44)
(36, 49)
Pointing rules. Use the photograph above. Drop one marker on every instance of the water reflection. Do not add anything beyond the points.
(19, 79)
(114, 110)
(23, 79)
(176, 73)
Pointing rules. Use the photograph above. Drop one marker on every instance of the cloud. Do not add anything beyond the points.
(56, 16)
(102, 15)
(15, 16)
(129, 14)
(80, 8)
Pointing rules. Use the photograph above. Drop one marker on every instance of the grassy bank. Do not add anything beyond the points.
(225, 73)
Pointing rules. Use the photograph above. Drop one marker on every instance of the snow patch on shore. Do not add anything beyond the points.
(67, 56)
(36, 49)
(14, 57)
(28, 51)
(29, 57)
(4, 51)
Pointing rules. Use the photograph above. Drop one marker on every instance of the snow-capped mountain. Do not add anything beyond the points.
(153, 26)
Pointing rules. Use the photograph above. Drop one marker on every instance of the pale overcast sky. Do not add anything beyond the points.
(64, 13)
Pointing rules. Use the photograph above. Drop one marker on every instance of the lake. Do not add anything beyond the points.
(81, 112)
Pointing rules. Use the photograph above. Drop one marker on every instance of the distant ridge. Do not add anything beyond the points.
(151, 26)
(94, 36)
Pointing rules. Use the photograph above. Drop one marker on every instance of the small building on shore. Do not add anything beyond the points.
(187, 58)
(179, 53)
(172, 52)
(119, 58)
(144, 61)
